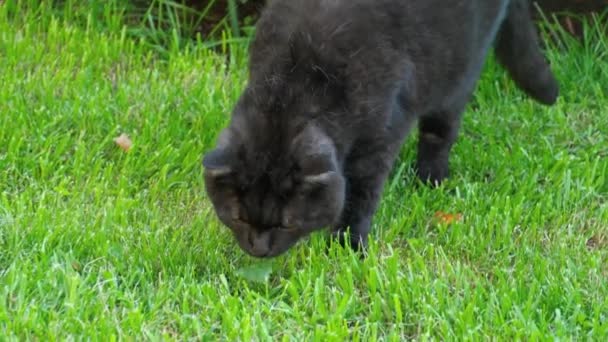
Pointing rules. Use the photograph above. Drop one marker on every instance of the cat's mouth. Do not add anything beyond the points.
(268, 243)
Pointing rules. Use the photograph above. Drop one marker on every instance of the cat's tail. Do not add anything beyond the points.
(518, 50)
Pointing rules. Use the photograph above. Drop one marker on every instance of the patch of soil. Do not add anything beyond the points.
(562, 9)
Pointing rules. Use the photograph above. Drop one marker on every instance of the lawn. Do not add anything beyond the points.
(98, 243)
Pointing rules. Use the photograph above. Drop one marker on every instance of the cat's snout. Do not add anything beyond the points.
(259, 243)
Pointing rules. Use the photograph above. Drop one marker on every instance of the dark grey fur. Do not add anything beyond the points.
(334, 88)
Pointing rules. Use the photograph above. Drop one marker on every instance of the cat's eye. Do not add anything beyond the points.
(234, 212)
(287, 224)
(240, 224)
(239, 217)
(287, 229)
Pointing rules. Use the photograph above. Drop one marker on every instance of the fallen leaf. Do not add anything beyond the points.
(447, 218)
(258, 273)
(76, 266)
(124, 142)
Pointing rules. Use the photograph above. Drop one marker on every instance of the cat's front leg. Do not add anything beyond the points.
(365, 181)
(437, 133)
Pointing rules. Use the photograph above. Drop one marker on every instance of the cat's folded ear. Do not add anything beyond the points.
(217, 162)
(315, 153)
(320, 179)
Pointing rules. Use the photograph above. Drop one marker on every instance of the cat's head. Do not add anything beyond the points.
(273, 192)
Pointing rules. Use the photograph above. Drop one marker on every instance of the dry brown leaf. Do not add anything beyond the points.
(76, 266)
(124, 142)
(447, 218)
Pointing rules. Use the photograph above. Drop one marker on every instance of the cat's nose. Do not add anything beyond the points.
(260, 243)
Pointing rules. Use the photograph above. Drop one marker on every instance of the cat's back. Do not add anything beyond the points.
(429, 27)
(443, 43)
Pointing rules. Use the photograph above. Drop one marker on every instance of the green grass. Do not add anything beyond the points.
(102, 244)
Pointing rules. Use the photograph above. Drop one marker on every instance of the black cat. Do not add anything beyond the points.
(334, 87)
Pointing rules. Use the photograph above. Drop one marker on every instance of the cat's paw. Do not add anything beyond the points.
(432, 172)
(347, 240)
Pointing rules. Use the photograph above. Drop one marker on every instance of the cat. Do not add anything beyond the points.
(334, 88)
